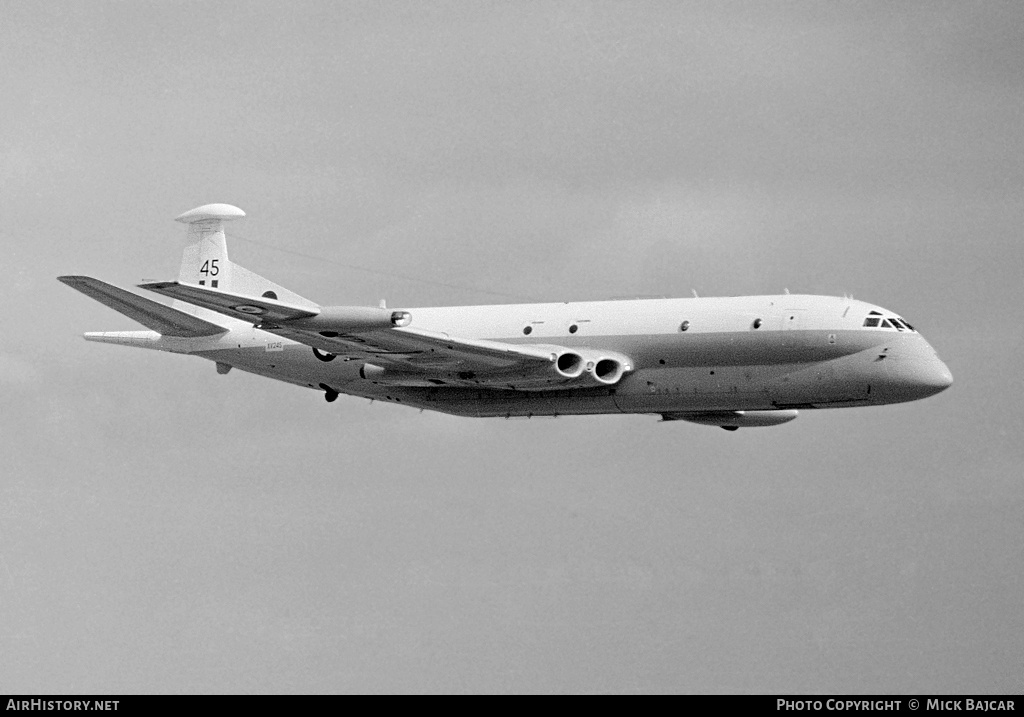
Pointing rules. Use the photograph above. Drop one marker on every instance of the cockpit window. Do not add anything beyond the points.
(875, 320)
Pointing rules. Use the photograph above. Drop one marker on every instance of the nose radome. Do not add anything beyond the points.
(933, 377)
(941, 377)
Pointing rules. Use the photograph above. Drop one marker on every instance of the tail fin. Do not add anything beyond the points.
(205, 261)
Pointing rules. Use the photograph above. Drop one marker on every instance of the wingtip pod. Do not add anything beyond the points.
(221, 212)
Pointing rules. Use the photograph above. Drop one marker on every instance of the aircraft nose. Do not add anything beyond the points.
(932, 376)
(938, 376)
(913, 373)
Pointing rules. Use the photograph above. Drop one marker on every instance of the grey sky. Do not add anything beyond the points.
(166, 529)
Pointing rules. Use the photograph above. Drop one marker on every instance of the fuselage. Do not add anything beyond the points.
(746, 353)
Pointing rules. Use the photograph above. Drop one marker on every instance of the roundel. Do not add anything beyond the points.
(248, 309)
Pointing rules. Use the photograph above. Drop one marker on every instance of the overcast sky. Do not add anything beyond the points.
(166, 529)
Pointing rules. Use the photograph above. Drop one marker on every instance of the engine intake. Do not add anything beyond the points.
(608, 370)
(604, 368)
(570, 364)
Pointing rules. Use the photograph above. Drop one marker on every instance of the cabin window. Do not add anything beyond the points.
(528, 330)
(684, 326)
(573, 329)
(757, 323)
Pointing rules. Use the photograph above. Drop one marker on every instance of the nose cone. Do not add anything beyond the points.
(922, 372)
(933, 377)
(911, 372)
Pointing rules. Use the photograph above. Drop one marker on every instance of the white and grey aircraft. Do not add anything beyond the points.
(723, 361)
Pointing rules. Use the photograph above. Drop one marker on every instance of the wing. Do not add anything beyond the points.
(396, 354)
(369, 333)
(417, 348)
(247, 308)
(163, 319)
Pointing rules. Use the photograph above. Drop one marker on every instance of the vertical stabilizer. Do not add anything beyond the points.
(205, 261)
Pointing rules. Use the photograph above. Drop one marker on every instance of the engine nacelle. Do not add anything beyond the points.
(590, 367)
(337, 320)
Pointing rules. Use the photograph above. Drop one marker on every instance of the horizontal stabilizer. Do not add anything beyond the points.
(249, 308)
(151, 314)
